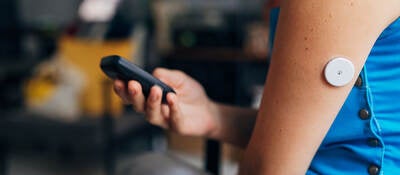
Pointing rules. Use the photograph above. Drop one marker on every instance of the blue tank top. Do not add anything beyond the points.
(365, 136)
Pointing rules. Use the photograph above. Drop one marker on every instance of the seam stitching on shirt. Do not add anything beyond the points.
(370, 104)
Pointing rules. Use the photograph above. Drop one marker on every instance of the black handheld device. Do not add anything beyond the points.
(117, 67)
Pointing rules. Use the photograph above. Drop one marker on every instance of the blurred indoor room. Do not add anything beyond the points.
(58, 112)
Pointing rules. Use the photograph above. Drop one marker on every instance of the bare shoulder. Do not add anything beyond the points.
(388, 10)
(377, 12)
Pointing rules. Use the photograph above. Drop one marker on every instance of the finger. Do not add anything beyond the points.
(165, 115)
(153, 107)
(165, 111)
(120, 90)
(136, 96)
(176, 120)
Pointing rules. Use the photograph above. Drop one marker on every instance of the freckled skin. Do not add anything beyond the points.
(307, 103)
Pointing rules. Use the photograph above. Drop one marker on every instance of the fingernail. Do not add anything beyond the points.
(172, 99)
(118, 88)
(154, 98)
(131, 91)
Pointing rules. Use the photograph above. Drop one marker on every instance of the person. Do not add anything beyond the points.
(304, 124)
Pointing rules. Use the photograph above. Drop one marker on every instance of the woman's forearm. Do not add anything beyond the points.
(234, 124)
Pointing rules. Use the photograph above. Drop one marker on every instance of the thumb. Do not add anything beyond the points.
(174, 78)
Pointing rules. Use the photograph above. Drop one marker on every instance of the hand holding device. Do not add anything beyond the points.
(117, 67)
(190, 112)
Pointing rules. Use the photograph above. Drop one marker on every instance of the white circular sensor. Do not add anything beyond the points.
(339, 71)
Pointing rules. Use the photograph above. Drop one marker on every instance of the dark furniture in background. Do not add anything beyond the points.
(87, 140)
(11, 85)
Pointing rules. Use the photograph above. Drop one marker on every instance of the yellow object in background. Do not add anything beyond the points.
(85, 55)
(54, 90)
(38, 90)
(42, 85)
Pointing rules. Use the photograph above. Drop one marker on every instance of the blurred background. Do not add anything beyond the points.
(58, 113)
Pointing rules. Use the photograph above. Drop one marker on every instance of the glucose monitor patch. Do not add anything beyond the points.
(339, 71)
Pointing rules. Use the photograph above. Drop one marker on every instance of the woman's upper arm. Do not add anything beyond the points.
(298, 104)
